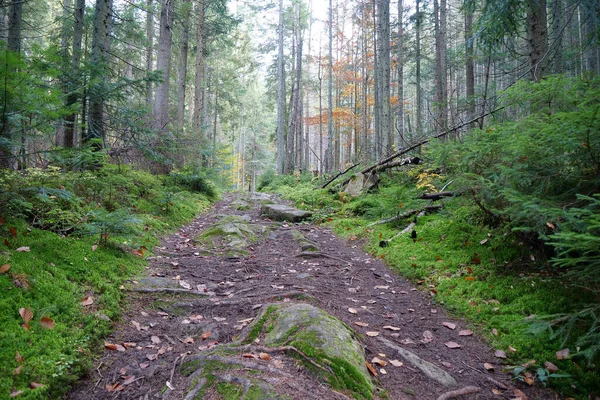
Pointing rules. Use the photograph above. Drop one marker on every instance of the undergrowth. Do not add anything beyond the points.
(66, 237)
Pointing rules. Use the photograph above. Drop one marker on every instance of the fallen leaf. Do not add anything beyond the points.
(382, 287)
(17, 370)
(496, 391)
(88, 301)
(185, 285)
(495, 332)
(488, 366)
(520, 395)
(35, 385)
(371, 369)
(151, 357)
(205, 335)
(47, 323)
(362, 324)
(95, 247)
(372, 333)
(465, 332)
(452, 345)
(19, 358)
(449, 325)
(188, 340)
(550, 367)
(219, 319)
(396, 363)
(500, 354)
(144, 365)
(483, 241)
(137, 325)
(129, 380)
(7, 244)
(512, 349)
(26, 314)
(427, 337)
(391, 328)
(562, 354)
(383, 371)
(379, 361)
(249, 355)
(264, 356)
(15, 393)
(352, 311)
(155, 339)
(528, 379)
(24, 249)
(4, 268)
(129, 345)
(114, 388)
(469, 278)
(13, 232)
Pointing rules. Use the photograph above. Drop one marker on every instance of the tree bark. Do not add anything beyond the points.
(329, 151)
(280, 96)
(400, 59)
(537, 38)
(181, 84)
(163, 64)
(419, 101)
(441, 79)
(74, 81)
(469, 65)
(149, 50)
(96, 128)
(383, 54)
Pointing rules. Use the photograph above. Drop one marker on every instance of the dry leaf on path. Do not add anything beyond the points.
(500, 354)
(550, 367)
(24, 249)
(379, 361)
(185, 285)
(264, 356)
(26, 314)
(372, 333)
(114, 388)
(249, 355)
(88, 301)
(496, 391)
(427, 337)
(155, 339)
(391, 328)
(465, 332)
(188, 340)
(113, 346)
(205, 335)
(452, 345)
(129, 380)
(383, 371)
(370, 368)
(449, 325)
(396, 363)
(352, 310)
(488, 366)
(520, 395)
(362, 324)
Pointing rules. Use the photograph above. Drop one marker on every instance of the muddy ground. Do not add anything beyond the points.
(202, 291)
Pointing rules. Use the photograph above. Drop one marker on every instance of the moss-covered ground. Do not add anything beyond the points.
(66, 237)
(485, 274)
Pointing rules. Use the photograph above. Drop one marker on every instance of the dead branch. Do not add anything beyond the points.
(425, 141)
(337, 175)
(459, 392)
(407, 214)
(497, 383)
(410, 226)
(399, 163)
(435, 196)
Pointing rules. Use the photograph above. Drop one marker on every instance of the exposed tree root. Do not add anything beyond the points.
(459, 392)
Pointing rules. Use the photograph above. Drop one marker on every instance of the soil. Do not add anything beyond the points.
(167, 321)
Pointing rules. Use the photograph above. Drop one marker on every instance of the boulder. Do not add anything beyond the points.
(281, 212)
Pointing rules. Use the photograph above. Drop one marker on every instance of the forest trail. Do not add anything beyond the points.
(202, 291)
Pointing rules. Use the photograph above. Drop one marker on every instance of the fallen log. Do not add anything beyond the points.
(435, 196)
(400, 163)
(338, 175)
(409, 228)
(410, 213)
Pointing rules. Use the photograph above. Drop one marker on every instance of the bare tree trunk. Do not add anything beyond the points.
(163, 64)
(537, 38)
(419, 122)
(320, 76)
(96, 128)
(441, 79)
(383, 55)
(149, 46)
(181, 85)
(200, 82)
(280, 96)
(329, 151)
(469, 65)
(400, 59)
(592, 35)
(558, 21)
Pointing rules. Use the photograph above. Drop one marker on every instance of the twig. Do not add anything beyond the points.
(459, 392)
(318, 254)
(473, 368)
(397, 217)
(173, 370)
(446, 185)
(384, 243)
(336, 176)
(497, 383)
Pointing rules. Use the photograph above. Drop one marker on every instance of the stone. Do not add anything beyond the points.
(281, 212)
(153, 282)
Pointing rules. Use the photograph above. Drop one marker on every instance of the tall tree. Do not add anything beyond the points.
(400, 66)
(441, 78)
(383, 74)
(280, 95)
(74, 80)
(329, 150)
(419, 101)
(469, 64)
(98, 78)
(149, 50)
(182, 79)
(537, 38)
(199, 79)
(163, 64)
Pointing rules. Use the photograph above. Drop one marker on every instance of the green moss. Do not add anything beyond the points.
(229, 391)
(258, 326)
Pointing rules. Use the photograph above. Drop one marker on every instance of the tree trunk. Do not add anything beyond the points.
(469, 65)
(200, 82)
(441, 79)
(149, 46)
(419, 116)
(558, 21)
(280, 95)
(329, 151)
(400, 60)
(163, 64)
(383, 55)
(74, 81)
(537, 38)
(96, 128)
(181, 84)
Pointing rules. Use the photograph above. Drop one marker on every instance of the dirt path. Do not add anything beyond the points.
(201, 292)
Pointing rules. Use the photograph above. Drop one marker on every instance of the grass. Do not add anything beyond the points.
(66, 264)
(486, 275)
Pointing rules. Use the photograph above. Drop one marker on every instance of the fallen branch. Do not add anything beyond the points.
(410, 226)
(435, 196)
(459, 392)
(407, 214)
(336, 176)
(425, 141)
(497, 383)
(400, 163)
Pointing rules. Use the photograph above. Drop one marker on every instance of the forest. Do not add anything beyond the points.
(457, 141)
